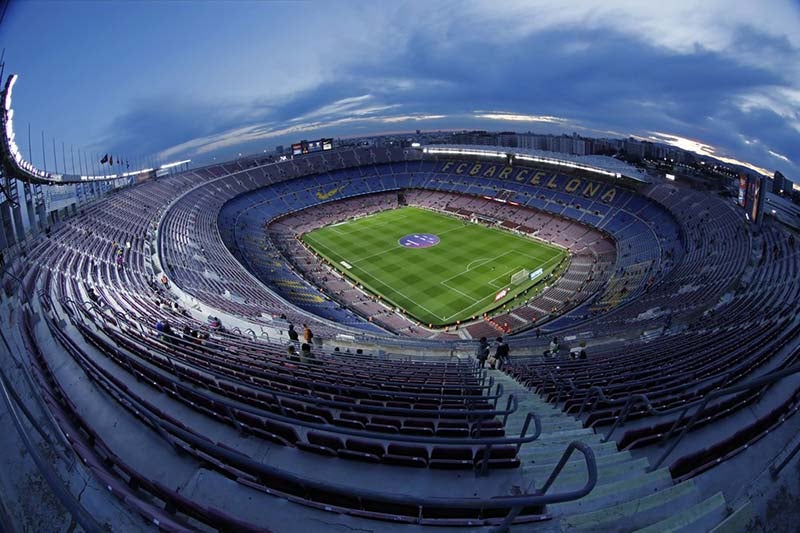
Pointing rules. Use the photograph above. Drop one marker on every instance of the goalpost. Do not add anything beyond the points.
(519, 277)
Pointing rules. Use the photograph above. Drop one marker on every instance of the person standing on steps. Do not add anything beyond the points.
(482, 352)
(501, 353)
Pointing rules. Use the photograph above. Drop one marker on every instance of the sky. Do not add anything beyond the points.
(161, 81)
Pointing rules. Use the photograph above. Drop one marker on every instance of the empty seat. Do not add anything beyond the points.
(321, 443)
(406, 455)
(451, 458)
(424, 428)
(452, 429)
(362, 450)
(503, 456)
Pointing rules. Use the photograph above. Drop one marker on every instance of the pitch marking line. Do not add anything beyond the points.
(392, 289)
(477, 302)
(444, 283)
(393, 248)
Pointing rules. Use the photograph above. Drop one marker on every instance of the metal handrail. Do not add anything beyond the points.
(761, 381)
(700, 403)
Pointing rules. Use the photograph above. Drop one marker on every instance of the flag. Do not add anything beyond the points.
(104, 160)
(111, 160)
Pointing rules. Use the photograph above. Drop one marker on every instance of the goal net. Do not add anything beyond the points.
(519, 277)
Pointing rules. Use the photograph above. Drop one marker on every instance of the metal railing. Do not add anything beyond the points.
(643, 401)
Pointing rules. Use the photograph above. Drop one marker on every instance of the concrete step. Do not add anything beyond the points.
(634, 514)
(549, 424)
(606, 474)
(577, 458)
(554, 434)
(616, 493)
(737, 521)
(701, 516)
(551, 453)
(542, 410)
(547, 439)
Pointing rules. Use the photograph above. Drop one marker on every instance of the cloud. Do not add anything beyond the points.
(262, 132)
(516, 117)
(700, 148)
(727, 75)
(779, 156)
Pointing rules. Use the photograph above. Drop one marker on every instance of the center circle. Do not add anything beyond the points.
(419, 240)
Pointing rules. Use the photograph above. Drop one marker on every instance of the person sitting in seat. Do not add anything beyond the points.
(292, 353)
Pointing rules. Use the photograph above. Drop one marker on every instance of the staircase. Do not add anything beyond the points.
(626, 497)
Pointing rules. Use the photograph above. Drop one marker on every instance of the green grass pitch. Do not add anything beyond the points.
(456, 279)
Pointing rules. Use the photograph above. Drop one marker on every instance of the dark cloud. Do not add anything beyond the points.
(596, 79)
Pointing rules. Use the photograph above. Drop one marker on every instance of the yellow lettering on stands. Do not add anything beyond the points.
(609, 195)
(522, 174)
(552, 183)
(489, 172)
(591, 189)
(475, 169)
(573, 185)
(460, 168)
(505, 172)
(447, 166)
(536, 179)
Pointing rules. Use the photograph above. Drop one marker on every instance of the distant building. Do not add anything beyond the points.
(781, 185)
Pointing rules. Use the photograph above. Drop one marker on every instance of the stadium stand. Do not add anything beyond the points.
(173, 380)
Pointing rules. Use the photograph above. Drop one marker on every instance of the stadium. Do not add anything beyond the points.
(290, 342)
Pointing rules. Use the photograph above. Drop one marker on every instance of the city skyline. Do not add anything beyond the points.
(177, 80)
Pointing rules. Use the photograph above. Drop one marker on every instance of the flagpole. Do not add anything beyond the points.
(30, 146)
(55, 157)
(44, 157)
(72, 157)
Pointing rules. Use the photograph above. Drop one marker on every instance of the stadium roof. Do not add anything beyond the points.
(599, 164)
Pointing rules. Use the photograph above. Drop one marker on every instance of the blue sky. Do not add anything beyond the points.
(197, 79)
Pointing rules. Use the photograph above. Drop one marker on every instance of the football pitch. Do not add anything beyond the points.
(432, 266)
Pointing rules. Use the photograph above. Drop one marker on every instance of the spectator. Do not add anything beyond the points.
(292, 353)
(482, 352)
(305, 353)
(165, 331)
(307, 335)
(501, 354)
(553, 347)
(293, 333)
(94, 296)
